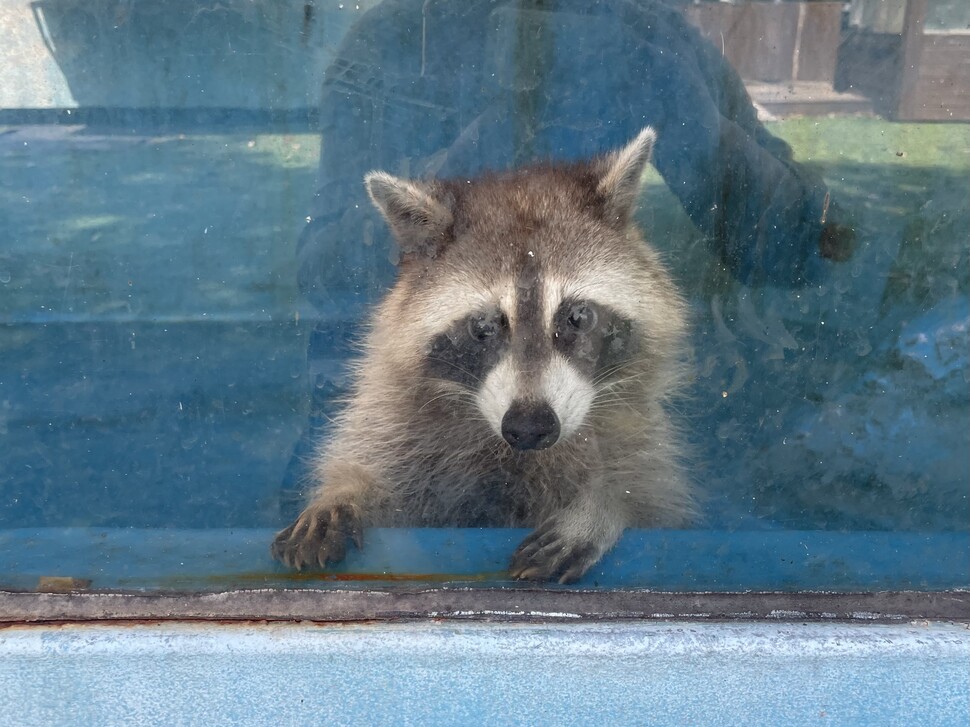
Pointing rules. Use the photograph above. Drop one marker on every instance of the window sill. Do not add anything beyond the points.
(459, 573)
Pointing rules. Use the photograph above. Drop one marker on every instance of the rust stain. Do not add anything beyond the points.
(289, 578)
(316, 576)
(62, 584)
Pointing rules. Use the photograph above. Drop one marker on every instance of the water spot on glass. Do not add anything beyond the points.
(4, 276)
(728, 430)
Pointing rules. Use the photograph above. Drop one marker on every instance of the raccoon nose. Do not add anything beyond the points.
(530, 425)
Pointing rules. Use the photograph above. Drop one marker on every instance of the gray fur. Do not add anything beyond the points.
(417, 447)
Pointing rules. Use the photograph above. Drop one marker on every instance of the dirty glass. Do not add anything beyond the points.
(189, 255)
(948, 15)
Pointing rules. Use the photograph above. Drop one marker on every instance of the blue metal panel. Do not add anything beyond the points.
(484, 674)
(688, 560)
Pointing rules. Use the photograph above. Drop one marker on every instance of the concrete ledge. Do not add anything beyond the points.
(806, 98)
(525, 603)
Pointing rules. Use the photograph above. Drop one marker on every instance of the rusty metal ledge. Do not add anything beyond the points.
(531, 605)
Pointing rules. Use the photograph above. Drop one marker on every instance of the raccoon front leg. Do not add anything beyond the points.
(319, 535)
(569, 543)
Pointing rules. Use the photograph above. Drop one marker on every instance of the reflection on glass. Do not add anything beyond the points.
(189, 250)
(947, 15)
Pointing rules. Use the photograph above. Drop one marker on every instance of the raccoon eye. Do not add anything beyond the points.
(485, 325)
(581, 316)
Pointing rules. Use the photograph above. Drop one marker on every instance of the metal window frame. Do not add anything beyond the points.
(483, 604)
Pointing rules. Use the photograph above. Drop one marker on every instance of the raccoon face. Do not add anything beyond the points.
(534, 373)
(541, 389)
(477, 352)
(530, 289)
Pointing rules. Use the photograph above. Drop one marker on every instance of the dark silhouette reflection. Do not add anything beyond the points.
(448, 89)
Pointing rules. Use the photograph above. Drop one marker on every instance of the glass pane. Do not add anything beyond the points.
(776, 399)
(948, 15)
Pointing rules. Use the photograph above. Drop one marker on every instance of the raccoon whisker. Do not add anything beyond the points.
(455, 366)
(458, 395)
(605, 381)
(623, 387)
(620, 388)
(432, 400)
(606, 414)
(606, 373)
(611, 395)
(610, 370)
(446, 393)
(438, 383)
(442, 385)
(610, 404)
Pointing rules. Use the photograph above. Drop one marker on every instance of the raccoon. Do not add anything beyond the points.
(518, 373)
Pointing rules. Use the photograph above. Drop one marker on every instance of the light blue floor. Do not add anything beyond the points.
(485, 674)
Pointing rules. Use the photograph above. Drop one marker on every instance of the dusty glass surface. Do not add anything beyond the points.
(188, 253)
(948, 15)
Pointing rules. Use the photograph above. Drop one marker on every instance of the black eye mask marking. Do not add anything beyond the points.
(469, 349)
(593, 337)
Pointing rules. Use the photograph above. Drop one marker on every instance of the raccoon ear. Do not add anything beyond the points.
(419, 221)
(620, 171)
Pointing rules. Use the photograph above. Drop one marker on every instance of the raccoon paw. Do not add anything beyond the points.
(318, 537)
(548, 555)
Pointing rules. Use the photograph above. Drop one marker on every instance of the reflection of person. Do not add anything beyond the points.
(435, 87)
(431, 87)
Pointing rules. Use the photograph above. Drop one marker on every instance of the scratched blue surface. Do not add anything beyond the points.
(487, 674)
(689, 560)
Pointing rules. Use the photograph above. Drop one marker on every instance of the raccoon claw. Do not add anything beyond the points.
(318, 537)
(547, 555)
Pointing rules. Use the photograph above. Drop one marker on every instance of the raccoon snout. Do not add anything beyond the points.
(530, 425)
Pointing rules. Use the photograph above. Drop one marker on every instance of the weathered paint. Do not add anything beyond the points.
(670, 560)
(447, 673)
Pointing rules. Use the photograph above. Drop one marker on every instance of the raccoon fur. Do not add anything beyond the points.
(518, 373)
